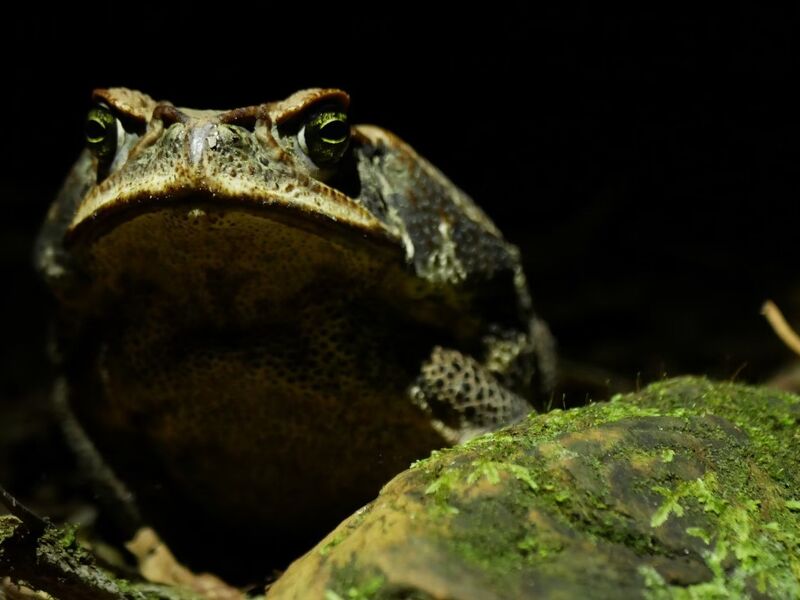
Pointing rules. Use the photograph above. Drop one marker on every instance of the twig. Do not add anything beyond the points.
(52, 560)
(779, 325)
(30, 520)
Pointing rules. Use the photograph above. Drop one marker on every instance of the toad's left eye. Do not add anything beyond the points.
(325, 136)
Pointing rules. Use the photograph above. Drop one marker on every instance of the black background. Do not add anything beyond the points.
(644, 162)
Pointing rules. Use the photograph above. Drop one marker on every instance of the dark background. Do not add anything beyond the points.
(644, 162)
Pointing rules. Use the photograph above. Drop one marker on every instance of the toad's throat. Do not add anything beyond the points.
(271, 352)
(194, 256)
(200, 265)
(295, 420)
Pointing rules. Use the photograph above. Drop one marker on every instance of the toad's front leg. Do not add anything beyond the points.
(468, 397)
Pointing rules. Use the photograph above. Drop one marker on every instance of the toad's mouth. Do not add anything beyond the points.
(337, 217)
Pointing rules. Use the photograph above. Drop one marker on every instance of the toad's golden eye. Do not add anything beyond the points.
(325, 136)
(101, 134)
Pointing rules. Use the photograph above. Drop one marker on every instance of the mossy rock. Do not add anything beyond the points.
(688, 489)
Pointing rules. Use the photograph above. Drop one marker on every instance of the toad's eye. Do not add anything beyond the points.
(325, 136)
(101, 134)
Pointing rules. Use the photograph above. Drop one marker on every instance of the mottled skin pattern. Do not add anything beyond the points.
(256, 341)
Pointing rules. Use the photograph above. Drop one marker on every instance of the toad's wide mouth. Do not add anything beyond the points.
(348, 223)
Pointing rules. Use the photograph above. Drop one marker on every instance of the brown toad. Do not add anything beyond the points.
(266, 312)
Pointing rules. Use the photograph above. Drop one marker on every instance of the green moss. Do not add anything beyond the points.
(701, 490)
(658, 589)
(61, 541)
(766, 551)
(353, 583)
(540, 547)
(739, 532)
(153, 591)
(687, 489)
(67, 536)
(491, 470)
(8, 525)
(699, 532)
(722, 509)
(771, 419)
(344, 532)
(337, 539)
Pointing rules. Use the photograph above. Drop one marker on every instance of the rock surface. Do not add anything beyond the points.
(687, 489)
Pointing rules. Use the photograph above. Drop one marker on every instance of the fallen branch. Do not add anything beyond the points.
(779, 325)
(37, 554)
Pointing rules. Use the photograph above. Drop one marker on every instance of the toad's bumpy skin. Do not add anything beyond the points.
(261, 340)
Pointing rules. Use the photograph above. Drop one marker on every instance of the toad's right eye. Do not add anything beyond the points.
(101, 134)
